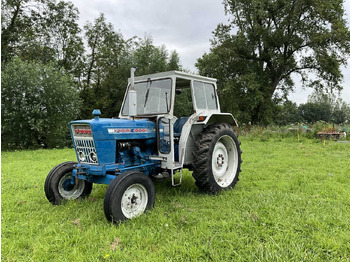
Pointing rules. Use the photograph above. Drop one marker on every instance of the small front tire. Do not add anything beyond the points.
(58, 186)
(129, 195)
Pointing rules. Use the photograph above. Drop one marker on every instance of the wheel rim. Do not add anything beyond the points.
(134, 200)
(224, 161)
(69, 191)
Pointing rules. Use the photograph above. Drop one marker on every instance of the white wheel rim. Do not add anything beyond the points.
(134, 201)
(75, 192)
(224, 161)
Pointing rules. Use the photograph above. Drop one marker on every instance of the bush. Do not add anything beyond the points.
(38, 101)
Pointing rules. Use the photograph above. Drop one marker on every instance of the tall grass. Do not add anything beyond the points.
(296, 131)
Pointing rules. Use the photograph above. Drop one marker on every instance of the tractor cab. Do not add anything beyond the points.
(181, 104)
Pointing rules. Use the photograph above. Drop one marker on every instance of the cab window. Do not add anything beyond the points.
(205, 95)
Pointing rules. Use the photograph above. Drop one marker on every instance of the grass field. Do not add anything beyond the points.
(292, 203)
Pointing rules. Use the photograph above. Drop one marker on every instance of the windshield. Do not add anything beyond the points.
(153, 97)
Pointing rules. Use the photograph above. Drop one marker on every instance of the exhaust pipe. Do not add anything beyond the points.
(132, 95)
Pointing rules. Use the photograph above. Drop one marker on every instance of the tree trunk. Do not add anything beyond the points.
(8, 32)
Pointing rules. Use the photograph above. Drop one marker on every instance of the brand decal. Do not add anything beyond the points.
(82, 131)
(126, 130)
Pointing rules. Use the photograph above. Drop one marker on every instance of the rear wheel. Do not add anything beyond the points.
(129, 195)
(217, 158)
(59, 186)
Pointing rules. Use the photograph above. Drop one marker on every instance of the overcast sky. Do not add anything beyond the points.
(183, 25)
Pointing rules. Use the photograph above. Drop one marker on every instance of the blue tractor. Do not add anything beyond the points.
(151, 139)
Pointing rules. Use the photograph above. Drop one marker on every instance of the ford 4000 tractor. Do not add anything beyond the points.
(152, 137)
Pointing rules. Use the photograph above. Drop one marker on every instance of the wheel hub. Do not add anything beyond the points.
(220, 160)
(68, 190)
(134, 200)
(219, 165)
(67, 185)
(224, 161)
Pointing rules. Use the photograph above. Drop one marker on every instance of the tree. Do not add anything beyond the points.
(313, 112)
(174, 61)
(37, 103)
(148, 58)
(286, 113)
(266, 42)
(105, 70)
(57, 37)
(109, 62)
(15, 23)
(341, 112)
(324, 107)
(43, 31)
(105, 47)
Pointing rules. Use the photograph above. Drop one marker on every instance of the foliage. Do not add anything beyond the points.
(37, 103)
(183, 106)
(265, 43)
(174, 61)
(105, 68)
(108, 65)
(15, 19)
(46, 34)
(291, 204)
(312, 112)
(324, 107)
(286, 113)
(43, 31)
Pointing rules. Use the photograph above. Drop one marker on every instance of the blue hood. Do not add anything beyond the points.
(120, 129)
(106, 132)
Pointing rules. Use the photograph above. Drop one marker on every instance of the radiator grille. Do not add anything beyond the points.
(85, 146)
(84, 143)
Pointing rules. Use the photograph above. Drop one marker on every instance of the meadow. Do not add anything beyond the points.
(292, 203)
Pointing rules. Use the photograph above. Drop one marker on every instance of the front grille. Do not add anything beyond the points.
(84, 144)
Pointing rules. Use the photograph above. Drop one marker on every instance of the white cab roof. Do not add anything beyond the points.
(177, 74)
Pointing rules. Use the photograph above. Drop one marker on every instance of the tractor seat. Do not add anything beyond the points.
(178, 125)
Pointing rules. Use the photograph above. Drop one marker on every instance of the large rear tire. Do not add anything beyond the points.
(58, 184)
(217, 158)
(129, 195)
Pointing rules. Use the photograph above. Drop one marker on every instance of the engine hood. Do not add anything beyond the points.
(118, 129)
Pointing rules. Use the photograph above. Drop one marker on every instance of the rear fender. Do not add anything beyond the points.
(220, 118)
(188, 141)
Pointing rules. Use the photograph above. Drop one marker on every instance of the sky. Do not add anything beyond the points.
(183, 25)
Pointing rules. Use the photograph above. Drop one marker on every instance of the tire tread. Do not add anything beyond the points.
(201, 155)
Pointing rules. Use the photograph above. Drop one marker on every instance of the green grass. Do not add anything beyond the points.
(292, 203)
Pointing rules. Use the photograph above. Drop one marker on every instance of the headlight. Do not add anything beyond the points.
(81, 156)
(93, 156)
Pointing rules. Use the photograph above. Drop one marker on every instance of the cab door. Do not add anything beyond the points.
(165, 141)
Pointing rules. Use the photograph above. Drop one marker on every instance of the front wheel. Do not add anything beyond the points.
(217, 158)
(59, 184)
(129, 195)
